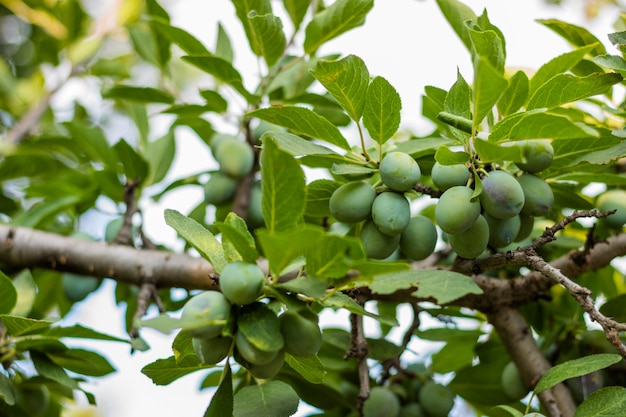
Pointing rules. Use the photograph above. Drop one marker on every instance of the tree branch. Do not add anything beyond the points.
(22, 247)
(525, 353)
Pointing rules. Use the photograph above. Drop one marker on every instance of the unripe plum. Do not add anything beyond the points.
(437, 400)
(419, 238)
(78, 287)
(535, 414)
(242, 282)
(213, 350)
(613, 200)
(352, 202)
(391, 213)
(472, 242)
(220, 188)
(502, 232)
(512, 382)
(412, 410)
(204, 310)
(538, 153)
(538, 196)
(448, 176)
(269, 369)
(33, 399)
(302, 336)
(456, 211)
(526, 227)
(399, 171)
(502, 196)
(251, 353)
(381, 403)
(377, 244)
(255, 209)
(235, 157)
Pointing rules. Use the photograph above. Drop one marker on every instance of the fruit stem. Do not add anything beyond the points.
(362, 138)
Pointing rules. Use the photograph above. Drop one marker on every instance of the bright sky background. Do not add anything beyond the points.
(409, 43)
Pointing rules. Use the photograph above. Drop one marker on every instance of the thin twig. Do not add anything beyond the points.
(582, 295)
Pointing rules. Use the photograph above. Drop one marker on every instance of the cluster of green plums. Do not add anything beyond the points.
(388, 224)
(415, 396)
(296, 331)
(504, 211)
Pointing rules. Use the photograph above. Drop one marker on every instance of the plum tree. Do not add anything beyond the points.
(377, 244)
(502, 196)
(538, 196)
(301, 261)
(391, 213)
(436, 399)
(399, 171)
(352, 202)
(242, 282)
(538, 154)
(205, 314)
(419, 238)
(613, 200)
(473, 241)
(456, 210)
(448, 176)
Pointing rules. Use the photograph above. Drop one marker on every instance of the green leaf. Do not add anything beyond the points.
(349, 169)
(302, 121)
(214, 100)
(457, 13)
(338, 18)
(20, 326)
(459, 122)
(341, 300)
(311, 368)
(247, 8)
(576, 35)
(8, 294)
(259, 324)
(223, 71)
(166, 371)
(92, 141)
(515, 94)
(447, 157)
(423, 146)
(346, 80)
(160, 154)
(330, 257)
(510, 410)
(458, 100)
(180, 37)
(443, 286)
(81, 361)
(222, 401)
(488, 45)
(538, 124)
(489, 84)
(270, 399)
(490, 152)
(140, 94)
(589, 177)
(618, 40)
(318, 197)
(296, 9)
(48, 369)
(26, 293)
(223, 45)
(269, 36)
(282, 248)
(43, 211)
(381, 115)
(7, 391)
(566, 88)
(614, 306)
(80, 332)
(558, 65)
(606, 402)
(235, 235)
(283, 188)
(197, 236)
(574, 368)
(135, 167)
(614, 62)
